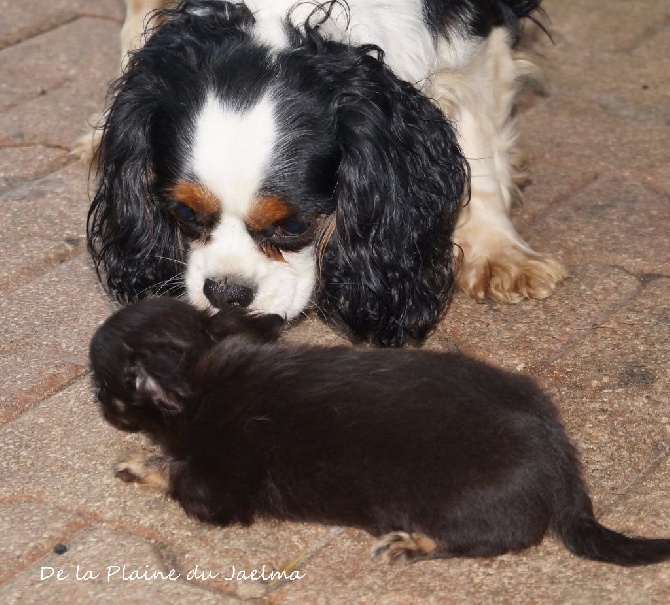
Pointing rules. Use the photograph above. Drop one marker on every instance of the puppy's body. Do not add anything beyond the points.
(446, 455)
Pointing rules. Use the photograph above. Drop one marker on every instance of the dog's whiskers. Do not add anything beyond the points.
(166, 286)
(172, 260)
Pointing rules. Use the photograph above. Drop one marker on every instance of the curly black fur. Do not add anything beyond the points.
(388, 268)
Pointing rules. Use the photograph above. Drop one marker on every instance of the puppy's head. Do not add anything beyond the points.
(143, 358)
(266, 178)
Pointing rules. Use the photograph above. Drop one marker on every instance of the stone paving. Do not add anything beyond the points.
(599, 200)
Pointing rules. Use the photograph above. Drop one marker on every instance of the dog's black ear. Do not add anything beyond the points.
(387, 269)
(136, 248)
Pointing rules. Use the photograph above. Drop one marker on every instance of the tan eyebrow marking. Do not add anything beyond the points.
(197, 197)
(265, 212)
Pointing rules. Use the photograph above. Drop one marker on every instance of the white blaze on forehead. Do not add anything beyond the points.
(232, 149)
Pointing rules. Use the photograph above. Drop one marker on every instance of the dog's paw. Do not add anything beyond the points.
(508, 274)
(85, 147)
(403, 547)
(147, 468)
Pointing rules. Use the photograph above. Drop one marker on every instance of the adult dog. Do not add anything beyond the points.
(270, 153)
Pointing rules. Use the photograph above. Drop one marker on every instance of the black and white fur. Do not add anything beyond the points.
(438, 454)
(361, 120)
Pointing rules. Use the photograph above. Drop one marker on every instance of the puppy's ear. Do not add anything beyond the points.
(388, 268)
(231, 321)
(168, 400)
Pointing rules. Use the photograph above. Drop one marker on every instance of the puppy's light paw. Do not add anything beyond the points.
(403, 547)
(143, 467)
(508, 274)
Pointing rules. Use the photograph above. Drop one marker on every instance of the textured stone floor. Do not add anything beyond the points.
(599, 200)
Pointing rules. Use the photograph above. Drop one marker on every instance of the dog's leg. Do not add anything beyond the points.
(478, 96)
(148, 468)
(403, 547)
(202, 495)
(131, 38)
(134, 24)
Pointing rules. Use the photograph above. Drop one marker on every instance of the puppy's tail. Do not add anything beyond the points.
(583, 536)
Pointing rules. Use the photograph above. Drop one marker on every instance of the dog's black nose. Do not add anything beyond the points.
(222, 292)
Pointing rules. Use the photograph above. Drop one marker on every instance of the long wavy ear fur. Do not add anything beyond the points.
(129, 238)
(387, 270)
(136, 248)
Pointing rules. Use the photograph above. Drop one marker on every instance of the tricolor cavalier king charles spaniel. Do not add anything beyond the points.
(354, 155)
(438, 454)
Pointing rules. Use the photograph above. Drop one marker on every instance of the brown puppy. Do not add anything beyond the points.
(440, 454)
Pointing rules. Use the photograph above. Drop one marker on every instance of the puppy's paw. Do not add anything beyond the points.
(508, 274)
(403, 547)
(146, 468)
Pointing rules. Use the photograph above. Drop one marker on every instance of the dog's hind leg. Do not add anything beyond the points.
(403, 547)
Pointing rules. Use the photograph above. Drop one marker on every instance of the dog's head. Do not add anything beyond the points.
(143, 358)
(267, 178)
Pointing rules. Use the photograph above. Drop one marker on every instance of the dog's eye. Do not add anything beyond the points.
(184, 212)
(291, 227)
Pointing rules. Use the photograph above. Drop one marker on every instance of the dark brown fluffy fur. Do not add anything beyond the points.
(452, 456)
